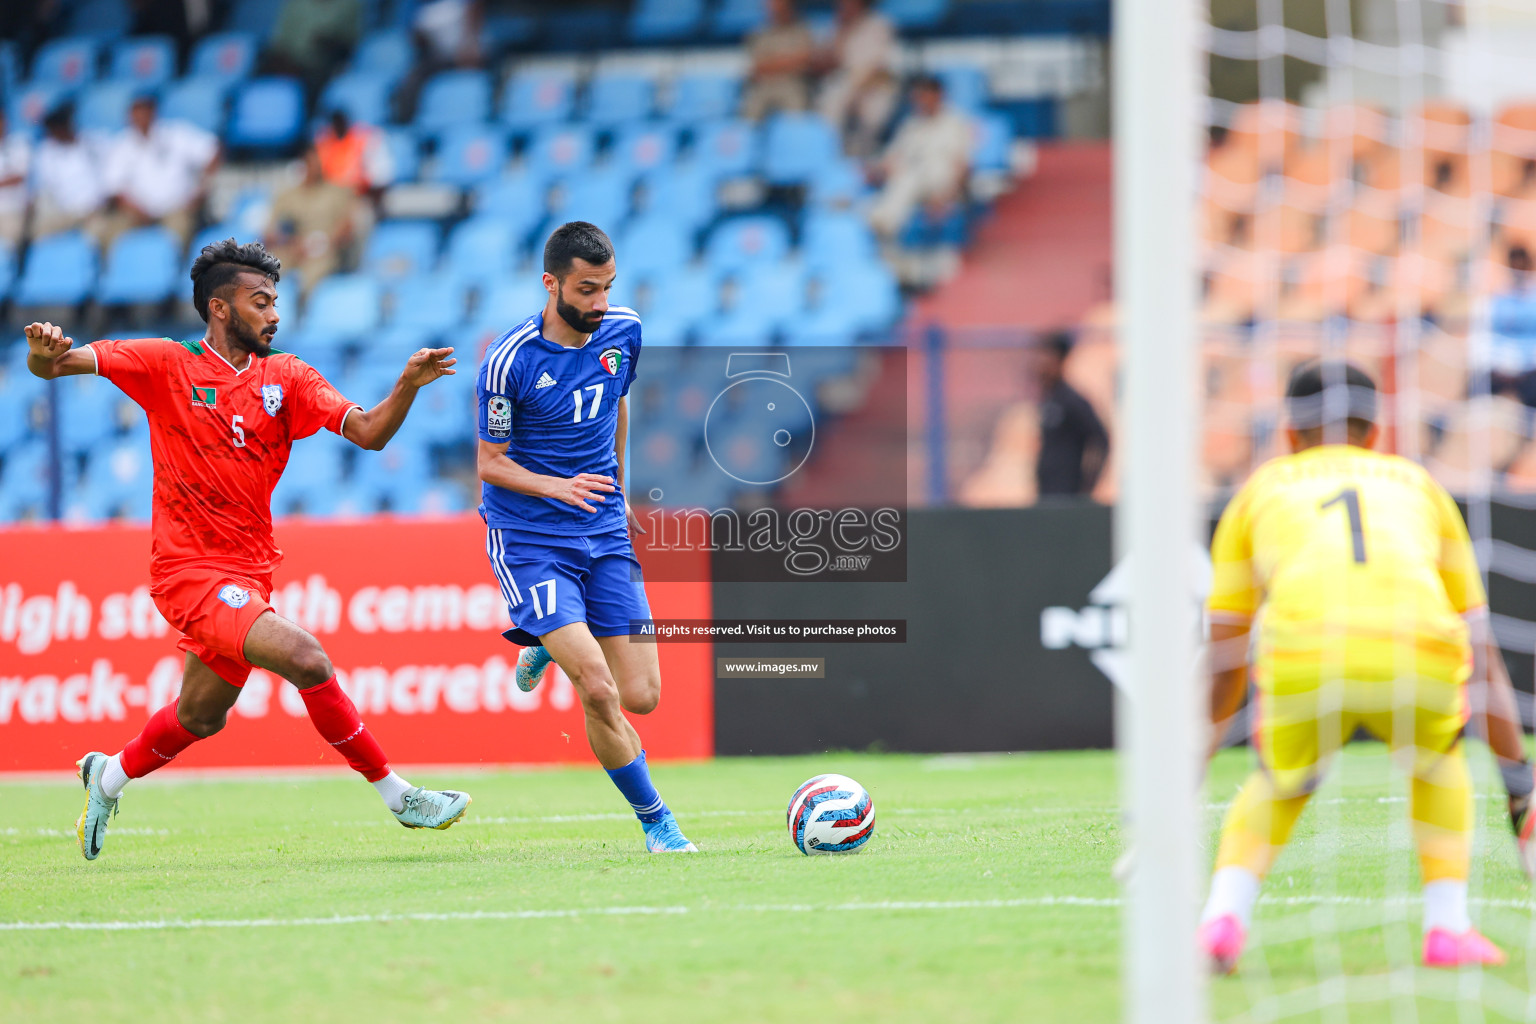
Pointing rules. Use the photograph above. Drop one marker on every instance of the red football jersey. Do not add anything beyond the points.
(219, 440)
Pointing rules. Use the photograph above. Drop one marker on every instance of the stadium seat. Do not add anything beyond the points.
(99, 19)
(483, 249)
(702, 96)
(68, 63)
(268, 114)
(643, 148)
(665, 21)
(772, 292)
(144, 60)
(453, 97)
(343, 307)
(534, 98)
(226, 57)
(30, 103)
(575, 27)
(404, 152)
(60, 270)
(653, 243)
(7, 270)
(255, 17)
(103, 106)
(735, 18)
(619, 98)
(556, 151)
(10, 64)
(199, 101)
(870, 289)
(737, 243)
(831, 238)
(684, 192)
(428, 305)
(965, 86)
(402, 247)
(143, 265)
(915, 15)
(600, 197)
(386, 56)
(469, 154)
(85, 402)
(364, 97)
(511, 302)
(828, 325)
(726, 148)
(993, 146)
(689, 295)
(839, 185)
(796, 146)
(517, 199)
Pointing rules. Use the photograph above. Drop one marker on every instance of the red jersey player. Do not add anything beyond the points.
(223, 414)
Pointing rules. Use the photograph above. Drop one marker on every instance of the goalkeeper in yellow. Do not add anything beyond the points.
(1354, 574)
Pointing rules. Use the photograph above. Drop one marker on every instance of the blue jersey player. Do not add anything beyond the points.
(553, 419)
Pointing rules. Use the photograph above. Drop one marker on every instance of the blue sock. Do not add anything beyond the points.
(634, 781)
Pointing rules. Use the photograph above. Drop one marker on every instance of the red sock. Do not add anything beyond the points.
(335, 718)
(162, 739)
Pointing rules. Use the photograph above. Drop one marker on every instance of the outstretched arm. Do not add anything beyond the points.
(50, 354)
(374, 428)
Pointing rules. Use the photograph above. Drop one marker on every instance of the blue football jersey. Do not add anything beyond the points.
(558, 409)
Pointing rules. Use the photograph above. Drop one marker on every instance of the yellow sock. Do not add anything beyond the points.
(1441, 803)
(1257, 826)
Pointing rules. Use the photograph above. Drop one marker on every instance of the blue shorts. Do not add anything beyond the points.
(549, 581)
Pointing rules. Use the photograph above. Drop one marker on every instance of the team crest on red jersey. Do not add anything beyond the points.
(612, 359)
(271, 398)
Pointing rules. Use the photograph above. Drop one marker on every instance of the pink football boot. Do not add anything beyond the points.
(1444, 948)
(1222, 940)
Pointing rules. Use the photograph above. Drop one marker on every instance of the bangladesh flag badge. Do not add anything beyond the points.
(612, 359)
(205, 397)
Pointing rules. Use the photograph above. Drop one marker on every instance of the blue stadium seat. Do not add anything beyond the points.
(122, 469)
(689, 295)
(363, 95)
(511, 302)
(684, 192)
(401, 467)
(469, 154)
(7, 270)
(399, 248)
(772, 292)
(665, 21)
(103, 106)
(726, 148)
(10, 64)
(517, 199)
(965, 86)
(209, 235)
(993, 146)
(100, 19)
(226, 57)
(256, 17)
(404, 152)
(599, 197)
(739, 328)
(268, 113)
(534, 98)
(343, 307)
(830, 324)
(560, 150)
(653, 244)
(385, 55)
(915, 15)
(428, 305)
(741, 241)
(703, 96)
(69, 62)
(30, 103)
(641, 149)
(453, 97)
(60, 270)
(878, 299)
(144, 60)
(619, 98)
(735, 18)
(796, 146)
(483, 249)
(144, 265)
(85, 403)
(838, 185)
(199, 101)
(573, 27)
(830, 238)
(314, 467)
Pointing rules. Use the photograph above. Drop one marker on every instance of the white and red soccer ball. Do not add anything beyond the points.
(831, 814)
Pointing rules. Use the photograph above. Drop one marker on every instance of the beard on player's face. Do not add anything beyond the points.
(586, 323)
(256, 340)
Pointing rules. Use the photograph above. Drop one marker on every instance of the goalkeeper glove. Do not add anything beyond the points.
(1519, 783)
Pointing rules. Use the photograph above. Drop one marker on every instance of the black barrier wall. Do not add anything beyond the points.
(973, 674)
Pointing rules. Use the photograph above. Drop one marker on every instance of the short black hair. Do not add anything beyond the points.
(1059, 341)
(574, 241)
(1519, 258)
(221, 262)
(924, 80)
(1324, 392)
(61, 116)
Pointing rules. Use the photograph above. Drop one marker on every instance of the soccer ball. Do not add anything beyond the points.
(830, 814)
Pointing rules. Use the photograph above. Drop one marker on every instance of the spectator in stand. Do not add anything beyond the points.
(314, 224)
(926, 164)
(67, 183)
(861, 90)
(157, 172)
(782, 53)
(15, 163)
(1073, 441)
(314, 38)
(446, 34)
(1512, 318)
(354, 155)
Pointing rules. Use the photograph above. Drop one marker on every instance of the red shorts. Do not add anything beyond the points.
(214, 611)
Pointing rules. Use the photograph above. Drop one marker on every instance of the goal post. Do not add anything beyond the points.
(1156, 153)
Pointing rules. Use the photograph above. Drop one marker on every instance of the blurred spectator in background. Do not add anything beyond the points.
(314, 224)
(861, 90)
(15, 162)
(446, 34)
(157, 172)
(927, 163)
(354, 155)
(781, 55)
(1073, 441)
(1512, 317)
(314, 38)
(69, 191)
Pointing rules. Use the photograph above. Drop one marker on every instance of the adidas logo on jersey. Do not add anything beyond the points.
(544, 381)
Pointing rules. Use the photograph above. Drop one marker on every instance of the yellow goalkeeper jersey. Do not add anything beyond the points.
(1357, 564)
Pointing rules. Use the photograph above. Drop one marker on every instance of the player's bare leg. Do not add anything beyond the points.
(287, 649)
(607, 689)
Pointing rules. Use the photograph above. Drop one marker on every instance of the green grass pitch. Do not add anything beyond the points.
(985, 895)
